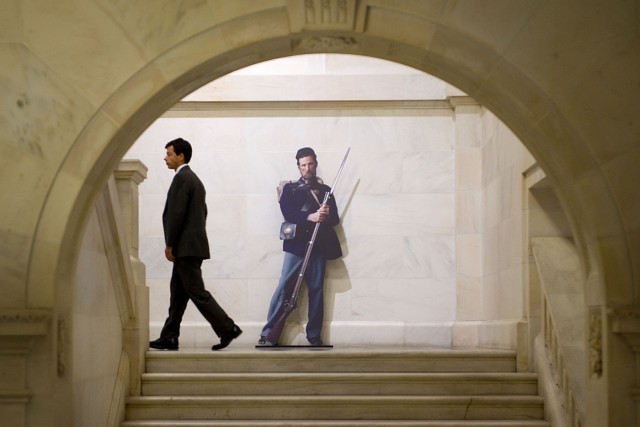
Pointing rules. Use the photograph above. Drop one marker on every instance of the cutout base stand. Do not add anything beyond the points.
(276, 347)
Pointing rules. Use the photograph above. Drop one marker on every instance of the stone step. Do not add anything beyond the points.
(351, 360)
(339, 423)
(415, 383)
(339, 407)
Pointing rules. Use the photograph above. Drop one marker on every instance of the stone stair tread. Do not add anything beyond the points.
(335, 388)
(334, 360)
(417, 376)
(338, 399)
(369, 383)
(337, 423)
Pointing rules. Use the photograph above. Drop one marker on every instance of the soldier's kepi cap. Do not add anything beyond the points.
(305, 152)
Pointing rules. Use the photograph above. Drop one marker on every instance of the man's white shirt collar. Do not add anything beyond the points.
(180, 167)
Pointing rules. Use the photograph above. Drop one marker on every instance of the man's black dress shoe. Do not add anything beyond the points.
(164, 344)
(226, 339)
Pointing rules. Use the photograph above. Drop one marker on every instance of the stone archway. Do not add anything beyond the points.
(518, 98)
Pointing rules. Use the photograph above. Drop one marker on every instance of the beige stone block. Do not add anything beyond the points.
(469, 297)
(469, 255)
(469, 212)
(468, 167)
(492, 251)
(465, 334)
(468, 127)
(498, 334)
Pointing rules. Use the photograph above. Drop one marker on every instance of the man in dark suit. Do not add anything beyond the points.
(184, 219)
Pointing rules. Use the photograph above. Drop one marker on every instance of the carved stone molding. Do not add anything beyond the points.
(23, 322)
(595, 342)
(313, 15)
(626, 322)
(133, 170)
(325, 44)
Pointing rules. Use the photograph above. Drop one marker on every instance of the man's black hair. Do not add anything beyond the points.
(306, 152)
(181, 146)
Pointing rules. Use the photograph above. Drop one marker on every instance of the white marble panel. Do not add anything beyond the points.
(365, 333)
(227, 215)
(219, 173)
(206, 134)
(338, 299)
(263, 215)
(374, 256)
(423, 130)
(374, 172)
(152, 255)
(231, 294)
(259, 296)
(403, 214)
(150, 214)
(428, 172)
(429, 256)
(286, 132)
(158, 299)
(243, 257)
(353, 333)
(410, 300)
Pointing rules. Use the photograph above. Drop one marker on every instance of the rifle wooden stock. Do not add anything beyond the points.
(291, 302)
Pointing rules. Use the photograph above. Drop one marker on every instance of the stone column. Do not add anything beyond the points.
(129, 175)
(469, 226)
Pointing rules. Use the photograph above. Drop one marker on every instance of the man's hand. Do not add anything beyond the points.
(320, 215)
(168, 252)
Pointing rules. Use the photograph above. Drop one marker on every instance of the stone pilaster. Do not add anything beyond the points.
(129, 175)
(19, 328)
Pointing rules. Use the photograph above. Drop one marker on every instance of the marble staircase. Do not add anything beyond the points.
(335, 387)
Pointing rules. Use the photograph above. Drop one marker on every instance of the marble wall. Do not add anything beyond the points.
(400, 281)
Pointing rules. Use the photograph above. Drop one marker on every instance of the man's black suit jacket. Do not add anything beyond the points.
(185, 216)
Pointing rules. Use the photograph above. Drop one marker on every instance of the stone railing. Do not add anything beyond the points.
(128, 177)
(563, 315)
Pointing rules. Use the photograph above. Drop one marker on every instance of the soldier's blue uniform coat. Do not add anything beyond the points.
(296, 204)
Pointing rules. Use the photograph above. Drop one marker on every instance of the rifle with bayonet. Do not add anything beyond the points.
(291, 303)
